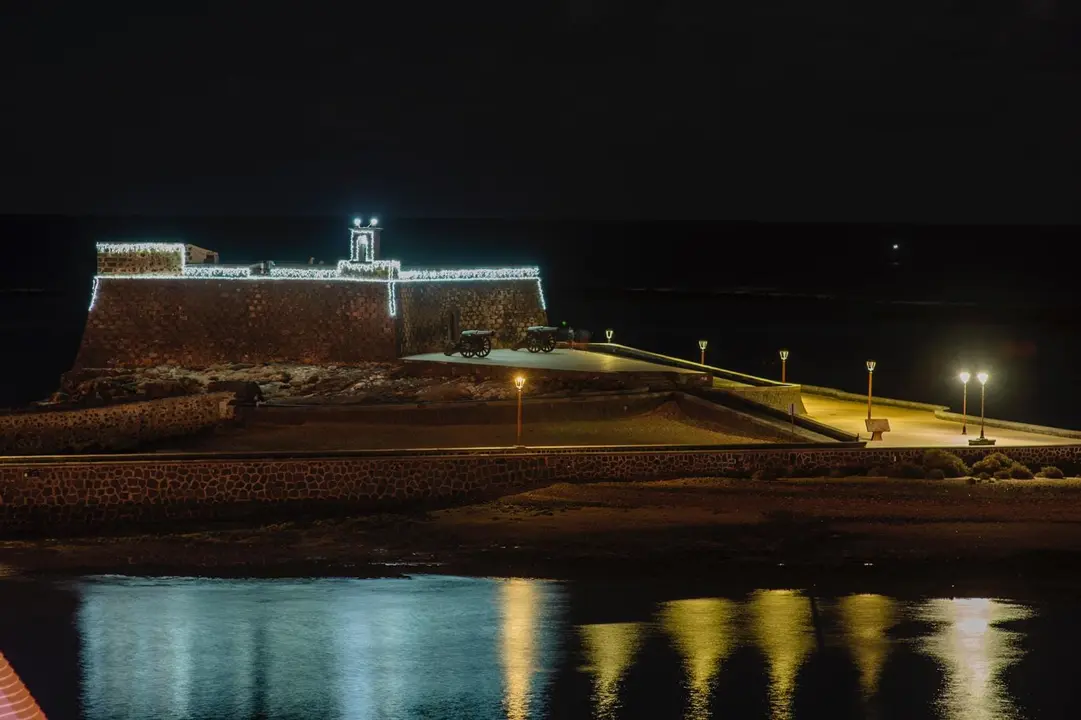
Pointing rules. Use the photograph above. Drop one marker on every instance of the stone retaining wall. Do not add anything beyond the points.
(113, 427)
(59, 497)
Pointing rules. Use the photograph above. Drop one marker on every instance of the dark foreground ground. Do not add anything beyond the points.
(691, 527)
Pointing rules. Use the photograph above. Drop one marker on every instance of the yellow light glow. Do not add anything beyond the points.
(782, 626)
(704, 632)
(784, 354)
(702, 344)
(519, 382)
(610, 650)
(982, 377)
(866, 620)
(974, 653)
(520, 602)
(965, 377)
(871, 365)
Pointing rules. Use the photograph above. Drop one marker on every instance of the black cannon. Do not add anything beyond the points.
(538, 338)
(472, 342)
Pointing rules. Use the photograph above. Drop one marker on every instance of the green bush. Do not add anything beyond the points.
(950, 465)
(766, 474)
(1020, 472)
(936, 474)
(1001, 475)
(906, 470)
(993, 463)
(1051, 472)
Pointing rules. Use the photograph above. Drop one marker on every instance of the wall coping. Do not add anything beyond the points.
(617, 349)
(1011, 425)
(842, 395)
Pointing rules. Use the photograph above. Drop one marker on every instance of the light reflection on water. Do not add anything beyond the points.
(436, 647)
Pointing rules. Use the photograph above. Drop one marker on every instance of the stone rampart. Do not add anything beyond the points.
(199, 322)
(80, 495)
(430, 310)
(113, 427)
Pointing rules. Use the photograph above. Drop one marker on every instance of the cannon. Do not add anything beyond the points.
(472, 342)
(538, 338)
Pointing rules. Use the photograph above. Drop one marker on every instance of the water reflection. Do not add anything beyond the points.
(866, 618)
(610, 650)
(704, 632)
(973, 653)
(435, 647)
(782, 625)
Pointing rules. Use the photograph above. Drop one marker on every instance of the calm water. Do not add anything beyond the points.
(438, 647)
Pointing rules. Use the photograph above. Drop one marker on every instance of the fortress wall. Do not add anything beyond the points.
(506, 306)
(200, 322)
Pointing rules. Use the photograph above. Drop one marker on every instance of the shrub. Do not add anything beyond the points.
(766, 474)
(1019, 472)
(993, 463)
(906, 470)
(971, 480)
(1051, 472)
(947, 462)
(877, 471)
(984, 476)
(936, 474)
(1001, 475)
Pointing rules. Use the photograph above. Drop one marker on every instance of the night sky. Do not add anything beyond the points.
(778, 111)
(679, 169)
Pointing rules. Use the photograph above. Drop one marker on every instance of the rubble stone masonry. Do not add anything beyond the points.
(76, 496)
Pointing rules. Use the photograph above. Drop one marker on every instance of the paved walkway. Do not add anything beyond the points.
(915, 428)
(558, 359)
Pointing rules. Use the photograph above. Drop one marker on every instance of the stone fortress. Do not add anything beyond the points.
(175, 304)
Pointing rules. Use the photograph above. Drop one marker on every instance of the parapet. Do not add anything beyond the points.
(146, 258)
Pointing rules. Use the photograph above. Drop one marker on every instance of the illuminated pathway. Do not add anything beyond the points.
(915, 428)
(558, 359)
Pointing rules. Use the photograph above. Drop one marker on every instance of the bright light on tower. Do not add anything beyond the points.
(357, 222)
(374, 222)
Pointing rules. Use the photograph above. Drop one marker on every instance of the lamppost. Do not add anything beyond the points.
(965, 376)
(702, 346)
(870, 373)
(982, 377)
(519, 382)
(608, 334)
(784, 363)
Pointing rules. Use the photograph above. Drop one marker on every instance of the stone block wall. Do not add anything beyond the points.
(114, 427)
(200, 322)
(140, 262)
(506, 306)
(76, 496)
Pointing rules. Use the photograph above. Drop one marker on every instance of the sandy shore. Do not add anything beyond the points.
(691, 526)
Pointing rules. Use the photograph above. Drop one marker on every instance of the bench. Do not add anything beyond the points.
(877, 426)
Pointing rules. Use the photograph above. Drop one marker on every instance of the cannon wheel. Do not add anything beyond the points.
(468, 352)
(549, 344)
(485, 348)
(534, 343)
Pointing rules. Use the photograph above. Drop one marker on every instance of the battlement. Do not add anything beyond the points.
(175, 303)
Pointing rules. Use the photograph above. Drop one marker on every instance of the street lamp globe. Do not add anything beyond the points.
(702, 344)
(609, 333)
(519, 382)
(784, 355)
(871, 366)
(982, 377)
(965, 377)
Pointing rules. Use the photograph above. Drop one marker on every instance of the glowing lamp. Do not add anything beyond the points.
(702, 344)
(519, 382)
(784, 355)
(608, 334)
(357, 222)
(965, 377)
(374, 222)
(871, 366)
(982, 377)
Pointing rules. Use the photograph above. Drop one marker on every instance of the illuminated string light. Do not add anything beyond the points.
(388, 272)
(520, 273)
